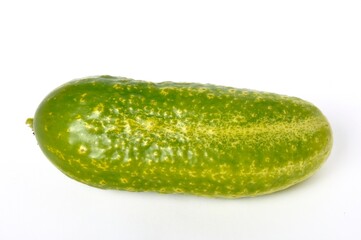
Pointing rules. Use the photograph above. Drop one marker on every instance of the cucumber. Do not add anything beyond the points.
(201, 139)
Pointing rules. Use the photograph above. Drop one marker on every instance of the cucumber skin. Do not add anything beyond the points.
(118, 133)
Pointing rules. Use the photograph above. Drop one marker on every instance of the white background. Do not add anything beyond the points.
(309, 49)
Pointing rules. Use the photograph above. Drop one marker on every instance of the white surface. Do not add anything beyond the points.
(309, 49)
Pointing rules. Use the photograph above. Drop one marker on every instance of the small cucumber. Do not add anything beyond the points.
(118, 133)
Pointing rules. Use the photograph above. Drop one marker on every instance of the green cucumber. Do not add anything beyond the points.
(202, 139)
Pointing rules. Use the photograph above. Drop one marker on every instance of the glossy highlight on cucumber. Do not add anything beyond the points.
(201, 139)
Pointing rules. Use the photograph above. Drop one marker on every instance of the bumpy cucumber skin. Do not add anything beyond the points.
(201, 139)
